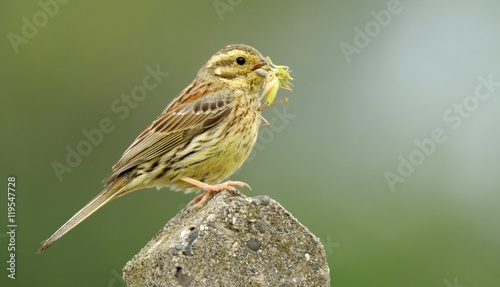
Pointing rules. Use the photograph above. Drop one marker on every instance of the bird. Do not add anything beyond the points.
(202, 136)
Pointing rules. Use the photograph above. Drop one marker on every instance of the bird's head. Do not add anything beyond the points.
(237, 65)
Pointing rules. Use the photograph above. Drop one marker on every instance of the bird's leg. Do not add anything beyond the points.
(209, 189)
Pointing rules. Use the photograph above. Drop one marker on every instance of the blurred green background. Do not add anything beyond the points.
(353, 118)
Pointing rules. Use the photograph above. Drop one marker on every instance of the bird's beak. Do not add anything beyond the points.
(262, 68)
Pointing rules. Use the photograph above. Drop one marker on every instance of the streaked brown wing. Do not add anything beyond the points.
(181, 121)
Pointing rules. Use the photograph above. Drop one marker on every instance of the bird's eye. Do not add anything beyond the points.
(240, 61)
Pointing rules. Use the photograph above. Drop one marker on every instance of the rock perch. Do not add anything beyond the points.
(232, 241)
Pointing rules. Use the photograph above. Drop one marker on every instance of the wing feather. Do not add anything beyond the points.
(180, 122)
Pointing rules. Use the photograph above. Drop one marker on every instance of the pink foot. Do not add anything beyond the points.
(209, 189)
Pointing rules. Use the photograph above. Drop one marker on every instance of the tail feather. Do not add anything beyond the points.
(111, 192)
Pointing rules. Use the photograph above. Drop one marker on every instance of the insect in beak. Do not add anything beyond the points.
(276, 76)
(262, 68)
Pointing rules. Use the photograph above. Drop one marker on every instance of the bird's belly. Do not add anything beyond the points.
(226, 156)
(215, 154)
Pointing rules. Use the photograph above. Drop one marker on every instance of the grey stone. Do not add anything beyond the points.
(254, 244)
(232, 241)
(261, 226)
